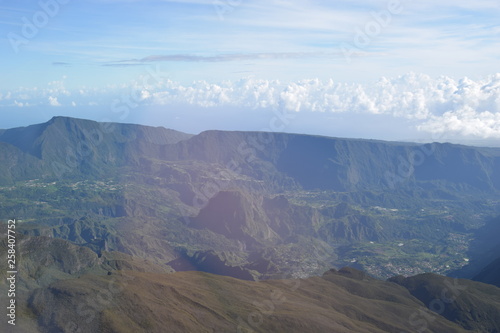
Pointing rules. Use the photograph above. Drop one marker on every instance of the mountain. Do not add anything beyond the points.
(474, 306)
(98, 205)
(76, 290)
(75, 147)
(490, 274)
(485, 248)
(332, 163)
(254, 202)
(192, 302)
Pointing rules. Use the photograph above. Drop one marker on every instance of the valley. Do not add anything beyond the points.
(57, 208)
(247, 205)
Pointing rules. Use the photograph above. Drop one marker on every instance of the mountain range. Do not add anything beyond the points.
(111, 202)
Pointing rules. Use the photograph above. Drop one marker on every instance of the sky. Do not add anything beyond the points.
(392, 70)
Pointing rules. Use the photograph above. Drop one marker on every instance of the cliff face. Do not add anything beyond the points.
(77, 146)
(490, 274)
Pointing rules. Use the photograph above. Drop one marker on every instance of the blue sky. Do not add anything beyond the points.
(425, 69)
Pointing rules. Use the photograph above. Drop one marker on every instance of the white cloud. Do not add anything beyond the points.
(53, 101)
(413, 96)
(57, 87)
(465, 122)
(436, 105)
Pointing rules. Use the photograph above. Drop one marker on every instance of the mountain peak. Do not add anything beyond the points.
(66, 118)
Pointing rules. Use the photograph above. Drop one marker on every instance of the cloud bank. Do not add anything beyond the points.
(462, 107)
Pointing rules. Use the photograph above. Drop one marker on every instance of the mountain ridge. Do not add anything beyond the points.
(102, 296)
(245, 147)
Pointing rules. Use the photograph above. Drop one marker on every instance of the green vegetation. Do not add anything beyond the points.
(151, 199)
